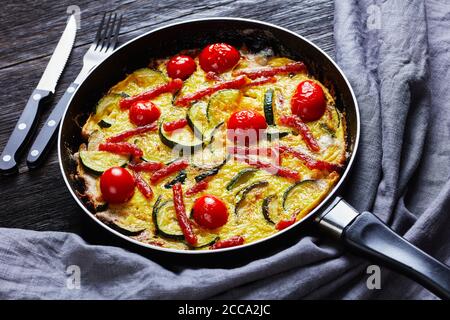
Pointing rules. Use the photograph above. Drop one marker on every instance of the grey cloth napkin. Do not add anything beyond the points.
(395, 56)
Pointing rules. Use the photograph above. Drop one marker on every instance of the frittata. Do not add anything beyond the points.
(168, 127)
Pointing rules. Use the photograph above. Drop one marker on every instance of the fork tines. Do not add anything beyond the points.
(107, 34)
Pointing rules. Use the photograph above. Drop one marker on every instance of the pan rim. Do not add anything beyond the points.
(314, 212)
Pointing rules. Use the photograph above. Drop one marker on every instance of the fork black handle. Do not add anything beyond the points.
(44, 140)
(22, 132)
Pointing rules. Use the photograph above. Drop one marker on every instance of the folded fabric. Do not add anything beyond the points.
(395, 56)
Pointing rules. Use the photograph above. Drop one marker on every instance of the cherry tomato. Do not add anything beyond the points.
(117, 185)
(143, 113)
(244, 127)
(308, 101)
(219, 57)
(181, 67)
(247, 119)
(210, 212)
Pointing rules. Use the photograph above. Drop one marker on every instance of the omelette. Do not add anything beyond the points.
(195, 185)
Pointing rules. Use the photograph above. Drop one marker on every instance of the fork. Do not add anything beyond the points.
(103, 45)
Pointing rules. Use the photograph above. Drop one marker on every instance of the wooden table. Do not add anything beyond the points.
(29, 31)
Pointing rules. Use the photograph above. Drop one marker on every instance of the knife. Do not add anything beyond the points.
(103, 45)
(46, 87)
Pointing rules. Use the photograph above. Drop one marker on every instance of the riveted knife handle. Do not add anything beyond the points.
(22, 132)
(44, 140)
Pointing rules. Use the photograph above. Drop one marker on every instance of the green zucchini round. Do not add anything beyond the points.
(171, 143)
(241, 177)
(268, 107)
(266, 208)
(105, 123)
(99, 161)
(218, 102)
(197, 120)
(163, 217)
(205, 242)
(242, 194)
(291, 188)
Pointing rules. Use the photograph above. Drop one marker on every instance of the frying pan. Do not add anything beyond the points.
(362, 232)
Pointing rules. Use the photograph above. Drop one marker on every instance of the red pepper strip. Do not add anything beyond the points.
(182, 217)
(145, 166)
(260, 151)
(171, 86)
(294, 67)
(231, 242)
(156, 243)
(310, 162)
(262, 81)
(271, 168)
(121, 148)
(236, 83)
(297, 123)
(143, 186)
(198, 187)
(175, 125)
(133, 132)
(168, 170)
(283, 224)
(211, 75)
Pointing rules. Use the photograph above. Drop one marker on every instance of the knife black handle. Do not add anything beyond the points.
(369, 235)
(22, 132)
(44, 140)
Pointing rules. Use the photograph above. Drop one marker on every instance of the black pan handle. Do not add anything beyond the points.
(366, 234)
(44, 140)
(22, 132)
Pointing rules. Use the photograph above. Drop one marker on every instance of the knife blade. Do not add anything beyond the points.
(46, 87)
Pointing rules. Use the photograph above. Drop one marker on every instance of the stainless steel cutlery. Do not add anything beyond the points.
(104, 44)
(46, 87)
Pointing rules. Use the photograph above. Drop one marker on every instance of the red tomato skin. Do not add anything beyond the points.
(142, 113)
(181, 67)
(218, 57)
(210, 212)
(246, 119)
(308, 101)
(117, 185)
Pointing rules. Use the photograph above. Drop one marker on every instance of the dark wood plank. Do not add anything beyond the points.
(29, 31)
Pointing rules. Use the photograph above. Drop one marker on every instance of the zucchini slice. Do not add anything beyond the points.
(99, 161)
(242, 194)
(165, 220)
(213, 134)
(221, 103)
(95, 139)
(196, 118)
(184, 146)
(241, 177)
(266, 206)
(268, 107)
(305, 184)
(106, 104)
(140, 80)
(338, 114)
(206, 241)
(181, 177)
(104, 123)
(211, 172)
(327, 129)
(273, 133)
